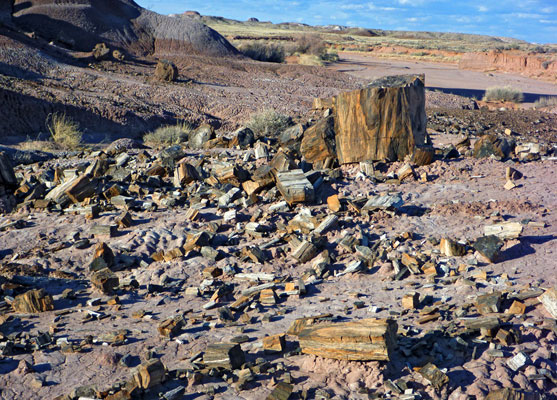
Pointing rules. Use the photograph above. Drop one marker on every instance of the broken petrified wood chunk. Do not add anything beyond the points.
(295, 187)
(434, 375)
(102, 258)
(282, 391)
(74, 190)
(301, 323)
(226, 355)
(274, 344)
(105, 280)
(305, 251)
(318, 143)
(125, 220)
(549, 300)
(150, 374)
(384, 202)
(268, 297)
(450, 248)
(363, 340)
(489, 247)
(488, 303)
(184, 174)
(512, 394)
(383, 121)
(33, 301)
(171, 327)
(423, 155)
(411, 300)
(505, 230)
(491, 145)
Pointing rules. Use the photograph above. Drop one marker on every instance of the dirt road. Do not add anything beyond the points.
(447, 77)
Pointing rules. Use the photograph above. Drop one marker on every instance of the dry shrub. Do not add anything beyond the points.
(268, 123)
(311, 44)
(504, 93)
(166, 71)
(263, 51)
(168, 135)
(543, 102)
(63, 131)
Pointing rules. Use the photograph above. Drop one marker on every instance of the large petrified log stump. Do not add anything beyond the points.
(383, 121)
(363, 340)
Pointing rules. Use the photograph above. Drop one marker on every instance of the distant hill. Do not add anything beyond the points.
(80, 24)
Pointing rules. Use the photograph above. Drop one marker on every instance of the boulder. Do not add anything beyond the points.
(384, 121)
(166, 71)
(491, 145)
(201, 136)
(318, 143)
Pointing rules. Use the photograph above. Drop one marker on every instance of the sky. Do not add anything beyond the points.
(531, 20)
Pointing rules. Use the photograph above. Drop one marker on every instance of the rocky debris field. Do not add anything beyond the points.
(242, 267)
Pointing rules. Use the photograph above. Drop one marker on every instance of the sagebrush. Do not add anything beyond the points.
(503, 93)
(168, 135)
(268, 123)
(64, 131)
(546, 102)
(263, 51)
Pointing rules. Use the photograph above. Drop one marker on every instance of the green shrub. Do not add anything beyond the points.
(63, 131)
(268, 123)
(168, 135)
(505, 93)
(263, 51)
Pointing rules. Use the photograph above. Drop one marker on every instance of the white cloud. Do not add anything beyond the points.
(483, 9)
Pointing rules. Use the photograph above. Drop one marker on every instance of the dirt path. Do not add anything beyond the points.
(446, 77)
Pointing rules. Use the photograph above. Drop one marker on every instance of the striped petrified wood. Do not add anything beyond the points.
(383, 121)
(363, 340)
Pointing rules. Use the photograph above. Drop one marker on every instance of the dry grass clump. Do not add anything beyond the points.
(268, 123)
(168, 135)
(263, 51)
(543, 102)
(64, 131)
(40, 145)
(503, 93)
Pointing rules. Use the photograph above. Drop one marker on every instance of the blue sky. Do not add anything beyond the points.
(531, 20)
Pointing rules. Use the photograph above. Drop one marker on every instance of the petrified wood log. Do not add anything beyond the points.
(363, 340)
(383, 121)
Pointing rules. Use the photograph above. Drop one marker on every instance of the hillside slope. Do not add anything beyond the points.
(80, 24)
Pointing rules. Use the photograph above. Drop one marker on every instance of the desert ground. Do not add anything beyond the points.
(232, 260)
(448, 78)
